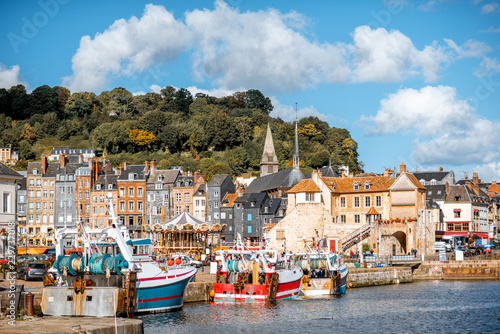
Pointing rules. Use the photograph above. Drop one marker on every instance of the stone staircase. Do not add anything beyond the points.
(354, 237)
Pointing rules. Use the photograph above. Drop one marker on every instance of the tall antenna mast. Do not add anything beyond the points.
(296, 111)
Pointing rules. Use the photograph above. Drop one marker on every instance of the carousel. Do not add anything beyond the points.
(185, 234)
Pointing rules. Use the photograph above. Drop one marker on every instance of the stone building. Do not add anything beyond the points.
(386, 213)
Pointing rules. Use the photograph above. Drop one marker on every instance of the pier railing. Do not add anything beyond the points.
(384, 259)
(355, 237)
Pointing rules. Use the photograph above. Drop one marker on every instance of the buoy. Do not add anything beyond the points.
(170, 262)
(212, 294)
(269, 266)
(350, 285)
(178, 261)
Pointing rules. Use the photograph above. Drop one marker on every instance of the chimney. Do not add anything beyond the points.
(44, 163)
(475, 183)
(387, 173)
(466, 177)
(199, 177)
(343, 175)
(493, 182)
(80, 158)
(118, 170)
(154, 165)
(125, 164)
(440, 169)
(62, 160)
(446, 188)
(146, 167)
(402, 168)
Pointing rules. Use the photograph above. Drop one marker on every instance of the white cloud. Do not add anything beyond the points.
(10, 77)
(447, 129)
(470, 49)
(388, 56)
(490, 8)
(491, 30)
(488, 172)
(488, 66)
(261, 49)
(287, 112)
(265, 49)
(127, 47)
(216, 92)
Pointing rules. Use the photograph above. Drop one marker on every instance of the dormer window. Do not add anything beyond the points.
(433, 182)
(252, 204)
(131, 176)
(35, 171)
(110, 187)
(98, 186)
(159, 186)
(333, 187)
(355, 187)
(161, 177)
(367, 186)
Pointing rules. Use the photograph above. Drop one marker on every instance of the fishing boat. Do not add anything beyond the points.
(246, 275)
(325, 273)
(114, 275)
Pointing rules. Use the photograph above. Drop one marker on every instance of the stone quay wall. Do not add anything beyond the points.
(360, 277)
(469, 269)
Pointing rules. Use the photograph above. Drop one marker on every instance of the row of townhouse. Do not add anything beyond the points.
(71, 189)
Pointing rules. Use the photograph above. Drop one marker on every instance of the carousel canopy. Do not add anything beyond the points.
(187, 222)
(184, 218)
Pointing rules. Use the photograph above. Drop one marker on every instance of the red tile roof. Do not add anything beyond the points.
(305, 186)
(346, 185)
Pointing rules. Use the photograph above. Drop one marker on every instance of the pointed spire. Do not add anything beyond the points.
(269, 162)
(296, 157)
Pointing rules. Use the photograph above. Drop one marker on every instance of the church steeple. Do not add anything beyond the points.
(296, 157)
(269, 162)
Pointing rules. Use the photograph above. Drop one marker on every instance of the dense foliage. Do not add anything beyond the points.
(175, 128)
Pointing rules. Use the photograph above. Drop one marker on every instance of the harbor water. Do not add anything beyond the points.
(421, 307)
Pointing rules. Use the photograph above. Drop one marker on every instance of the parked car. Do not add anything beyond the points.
(192, 262)
(31, 270)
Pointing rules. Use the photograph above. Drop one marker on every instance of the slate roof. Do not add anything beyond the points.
(32, 166)
(436, 192)
(272, 205)
(429, 176)
(7, 171)
(136, 169)
(170, 175)
(460, 192)
(202, 190)
(258, 198)
(283, 179)
(346, 185)
(218, 179)
(107, 179)
(305, 186)
(326, 171)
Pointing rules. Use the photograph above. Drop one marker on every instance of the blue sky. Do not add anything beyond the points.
(413, 81)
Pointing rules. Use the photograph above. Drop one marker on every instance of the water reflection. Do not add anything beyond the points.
(423, 307)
